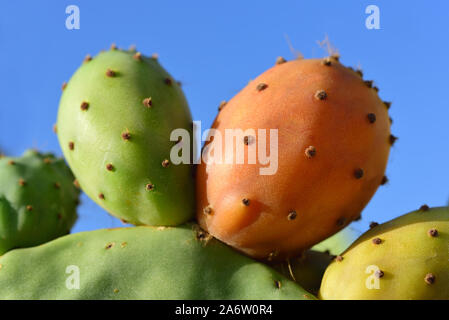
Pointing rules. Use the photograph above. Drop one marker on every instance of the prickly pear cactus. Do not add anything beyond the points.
(339, 242)
(318, 160)
(37, 200)
(307, 269)
(140, 263)
(115, 119)
(406, 258)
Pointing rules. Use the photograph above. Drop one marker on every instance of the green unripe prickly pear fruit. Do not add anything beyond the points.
(405, 258)
(115, 119)
(37, 200)
(140, 263)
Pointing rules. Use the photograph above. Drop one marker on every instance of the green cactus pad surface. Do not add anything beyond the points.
(115, 120)
(405, 258)
(37, 200)
(140, 263)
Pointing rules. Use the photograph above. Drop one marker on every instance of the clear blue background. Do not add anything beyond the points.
(215, 47)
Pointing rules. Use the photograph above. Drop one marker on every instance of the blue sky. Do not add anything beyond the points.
(215, 47)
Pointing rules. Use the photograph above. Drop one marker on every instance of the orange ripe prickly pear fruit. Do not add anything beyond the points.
(333, 134)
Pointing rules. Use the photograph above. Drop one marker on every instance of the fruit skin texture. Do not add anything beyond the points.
(116, 139)
(37, 200)
(406, 254)
(128, 263)
(326, 188)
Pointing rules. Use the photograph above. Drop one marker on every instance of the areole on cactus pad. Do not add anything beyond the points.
(333, 145)
(115, 119)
